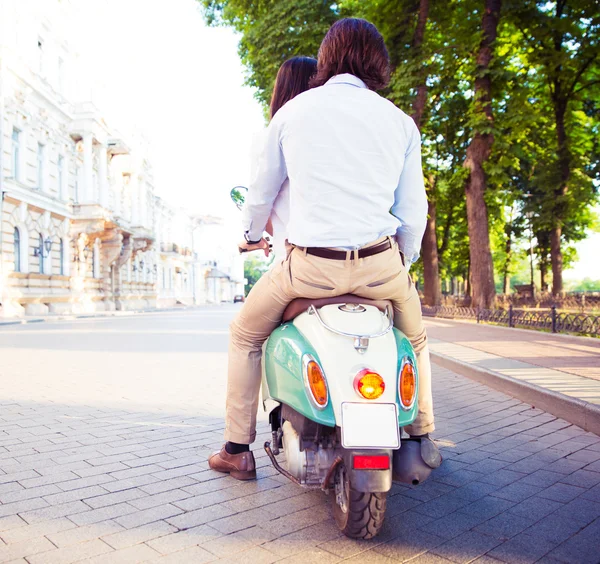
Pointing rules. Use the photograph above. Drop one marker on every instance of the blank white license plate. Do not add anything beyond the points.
(370, 425)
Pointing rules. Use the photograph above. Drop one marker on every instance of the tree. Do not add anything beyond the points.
(272, 31)
(563, 37)
(254, 268)
(482, 268)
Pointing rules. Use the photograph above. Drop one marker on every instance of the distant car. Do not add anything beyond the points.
(238, 298)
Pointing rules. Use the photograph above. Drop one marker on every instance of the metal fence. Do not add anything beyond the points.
(549, 319)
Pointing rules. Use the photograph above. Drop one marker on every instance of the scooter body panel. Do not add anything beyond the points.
(283, 378)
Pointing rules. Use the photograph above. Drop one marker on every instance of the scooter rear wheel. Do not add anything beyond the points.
(359, 515)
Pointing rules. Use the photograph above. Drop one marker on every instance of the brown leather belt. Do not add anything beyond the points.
(334, 254)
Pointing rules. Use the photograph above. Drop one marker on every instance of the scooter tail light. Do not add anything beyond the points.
(371, 462)
(315, 382)
(407, 383)
(369, 385)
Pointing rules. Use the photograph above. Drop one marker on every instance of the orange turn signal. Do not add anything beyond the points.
(316, 383)
(407, 386)
(369, 385)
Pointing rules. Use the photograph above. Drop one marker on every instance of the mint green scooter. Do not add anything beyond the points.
(339, 383)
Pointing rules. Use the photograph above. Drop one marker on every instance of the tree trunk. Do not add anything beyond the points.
(429, 247)
(421, 97)
(481, 265)
(508, 250)
(431, 274)
(564, 163)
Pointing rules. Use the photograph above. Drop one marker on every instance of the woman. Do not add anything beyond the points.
(292, 79)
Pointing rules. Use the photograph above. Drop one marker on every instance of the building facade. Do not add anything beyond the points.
(81, 229)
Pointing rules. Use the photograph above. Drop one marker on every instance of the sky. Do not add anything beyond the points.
(158, 69)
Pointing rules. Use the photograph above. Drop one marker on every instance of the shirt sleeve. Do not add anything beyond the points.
(410, 200)
(268, 175)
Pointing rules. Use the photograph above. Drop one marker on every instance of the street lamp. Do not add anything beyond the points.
(43, 246)
(86, 252)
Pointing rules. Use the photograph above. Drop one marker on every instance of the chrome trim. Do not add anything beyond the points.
(305, 360)
(361, 342)
(407, 360)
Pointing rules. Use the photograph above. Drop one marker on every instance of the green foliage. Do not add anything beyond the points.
(272, 31)
(585, 285)
(547, 59)
(254, 268)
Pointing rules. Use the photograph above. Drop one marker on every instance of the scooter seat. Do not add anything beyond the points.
(300, 305)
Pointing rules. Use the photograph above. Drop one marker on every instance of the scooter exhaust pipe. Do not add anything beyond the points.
(412, 463)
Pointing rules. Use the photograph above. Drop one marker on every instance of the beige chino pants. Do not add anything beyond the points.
(382, 276)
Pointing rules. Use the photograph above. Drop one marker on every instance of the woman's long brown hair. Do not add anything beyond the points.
(293, 78)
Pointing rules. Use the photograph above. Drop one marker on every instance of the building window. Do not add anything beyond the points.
(61, 252)
(16, 151)
(17, 249)
(61, 174)
(41, 253)
(40, 164)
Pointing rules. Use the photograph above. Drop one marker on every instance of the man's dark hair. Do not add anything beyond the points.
(353, 46)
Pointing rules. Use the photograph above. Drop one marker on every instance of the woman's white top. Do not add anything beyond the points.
(280, 215)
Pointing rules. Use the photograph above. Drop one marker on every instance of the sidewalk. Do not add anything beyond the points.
(557, 373)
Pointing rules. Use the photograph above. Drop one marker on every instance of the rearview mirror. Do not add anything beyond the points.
(238, 195)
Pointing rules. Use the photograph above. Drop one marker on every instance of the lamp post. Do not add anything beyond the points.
(529, 217)
(43, 249)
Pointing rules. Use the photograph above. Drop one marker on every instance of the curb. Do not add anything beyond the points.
(574, 410)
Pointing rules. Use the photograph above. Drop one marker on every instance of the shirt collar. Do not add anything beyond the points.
(346, 78)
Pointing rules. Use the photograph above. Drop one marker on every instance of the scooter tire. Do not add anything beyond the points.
(364, 516)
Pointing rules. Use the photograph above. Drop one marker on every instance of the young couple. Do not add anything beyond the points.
(339, 177)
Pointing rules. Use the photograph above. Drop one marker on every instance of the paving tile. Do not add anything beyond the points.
(313, 555)
(501, 477)
(54, 512)
(561, 492)
(199, 517)
(581, 510)
(581, 548)
(582, 478)
(487, 507)
(102, 514)
(26, 548)
(408, 544)
(192, 555)
(77, 535)
(184, 539)
(130, 536)
(452, 524)
(504, 526)
(72, 553)
(523, 549)
(517, 491)
(442, 505)
(542, 478)
(44, 528)
(131, 555)
(241, 521)
(466, 547)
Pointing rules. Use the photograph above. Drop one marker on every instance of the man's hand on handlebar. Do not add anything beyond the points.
(263, 244)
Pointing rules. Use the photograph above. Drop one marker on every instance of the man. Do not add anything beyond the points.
(350, 157)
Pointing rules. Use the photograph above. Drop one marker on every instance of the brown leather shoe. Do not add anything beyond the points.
(239, 466)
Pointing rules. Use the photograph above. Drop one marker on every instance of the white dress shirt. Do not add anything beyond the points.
(353, 161)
